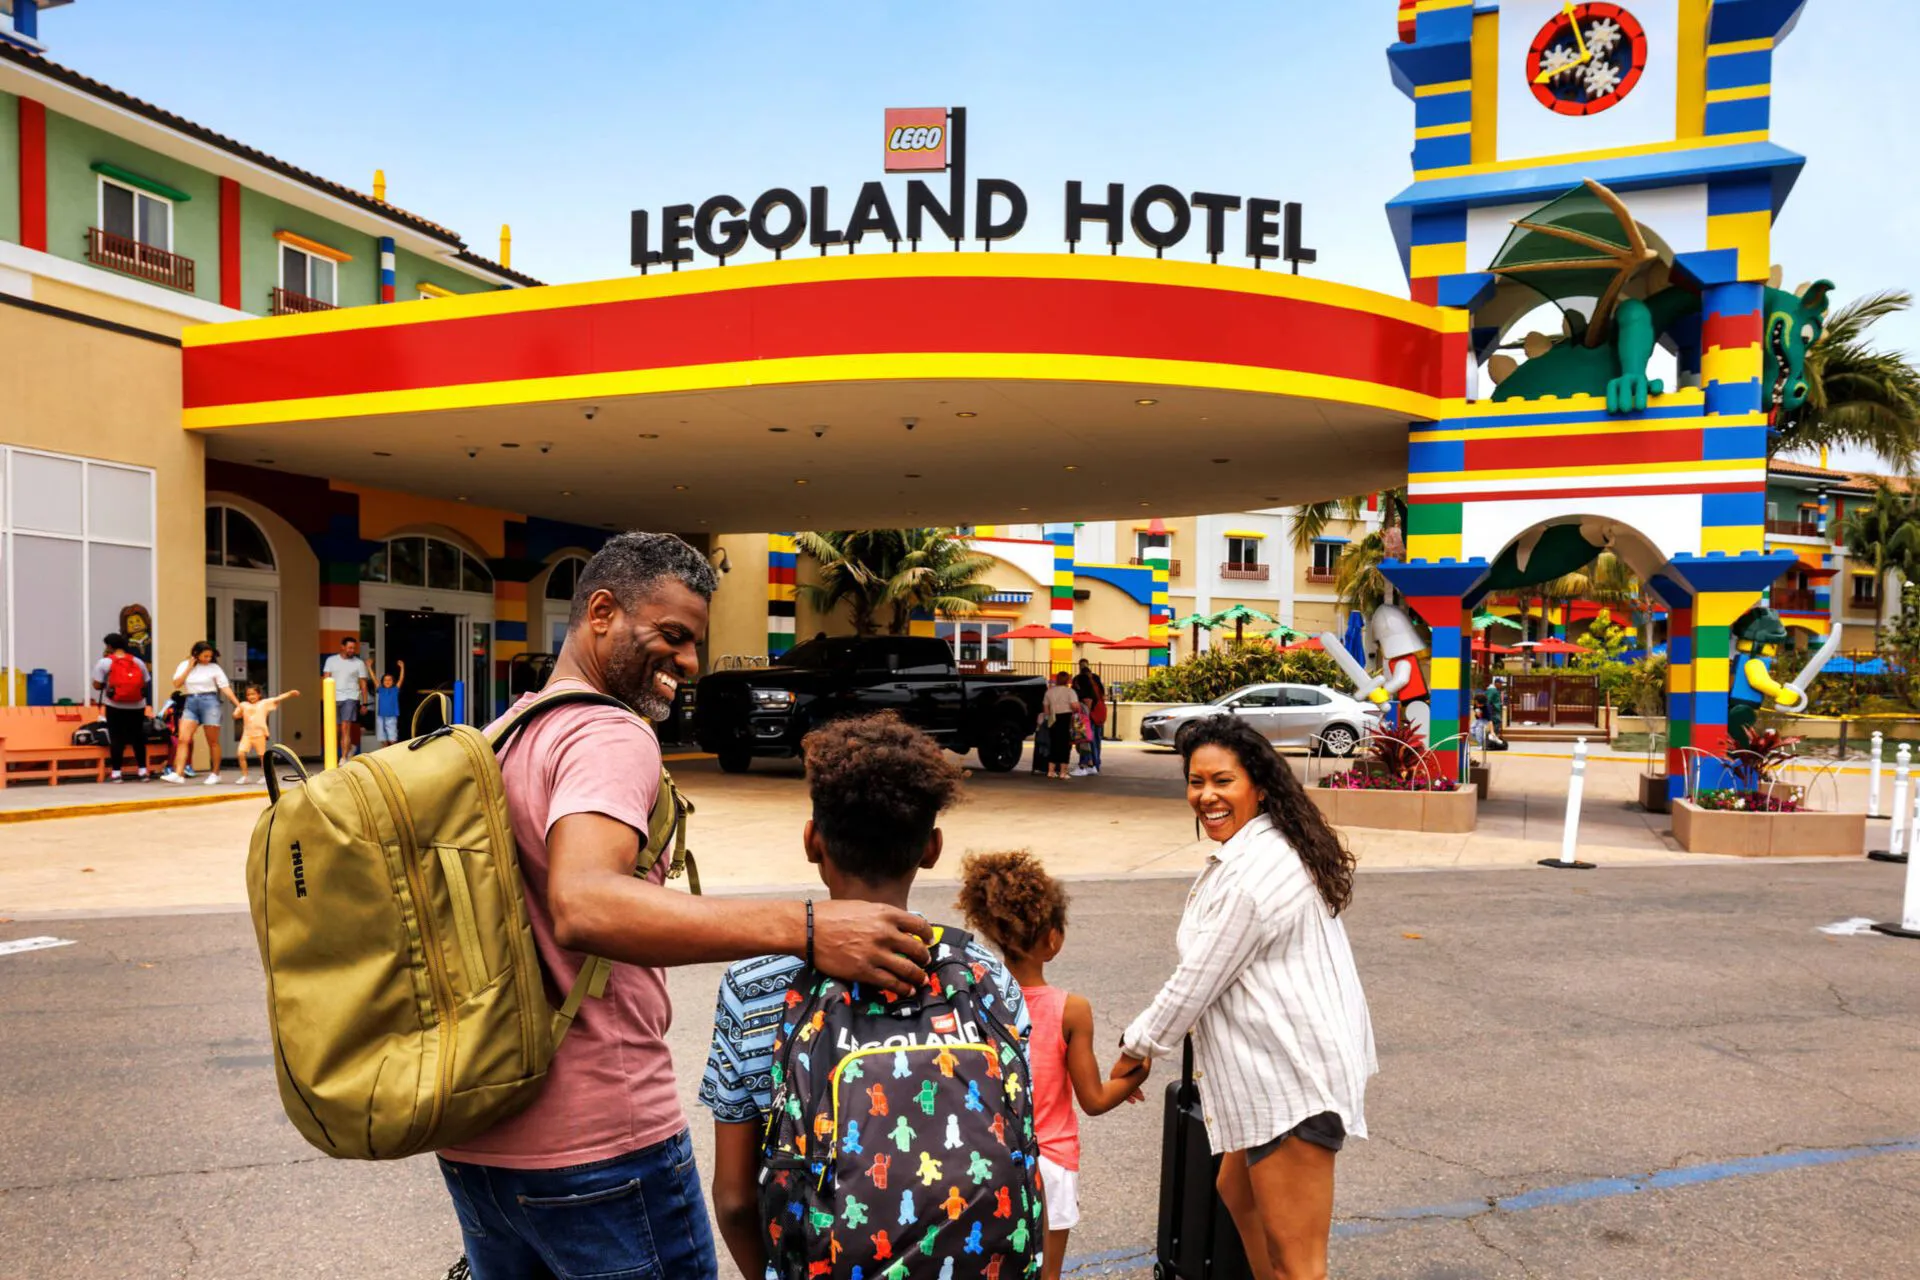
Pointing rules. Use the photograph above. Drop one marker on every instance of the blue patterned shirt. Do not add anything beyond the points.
(738, 1084)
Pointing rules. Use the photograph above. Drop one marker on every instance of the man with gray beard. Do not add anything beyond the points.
(597, 1176)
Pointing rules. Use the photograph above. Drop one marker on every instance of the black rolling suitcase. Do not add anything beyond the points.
(1198, 1240)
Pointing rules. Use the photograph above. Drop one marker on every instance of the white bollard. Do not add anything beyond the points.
(1897, 832)
(1873, 785)
(1909, 926)
(1570, 834)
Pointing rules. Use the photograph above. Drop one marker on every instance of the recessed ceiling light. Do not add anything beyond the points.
(649, 435)
(966, 415)
(1070, 467)
(381, 453)
(913, 475)
(679, 488)
(799, 481)
(1146, 504)
(1026, 508)
(778, 431)
(1146, 402)
(568, 493)
(1219, 461)
(509, 444)
(461, 498)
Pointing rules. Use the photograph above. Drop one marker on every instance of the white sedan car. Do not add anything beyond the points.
(1309, 716)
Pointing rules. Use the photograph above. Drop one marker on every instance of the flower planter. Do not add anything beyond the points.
(1432, 811)
(1653, 793)
(1768, 835)
(1123, 720)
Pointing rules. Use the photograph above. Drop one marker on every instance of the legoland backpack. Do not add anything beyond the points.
(900, 1144)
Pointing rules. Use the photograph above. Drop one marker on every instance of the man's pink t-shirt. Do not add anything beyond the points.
(611, 1088)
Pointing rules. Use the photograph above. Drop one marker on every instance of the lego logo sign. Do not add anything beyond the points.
(916, 139)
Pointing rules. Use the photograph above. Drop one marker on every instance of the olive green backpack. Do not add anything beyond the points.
(404, 992)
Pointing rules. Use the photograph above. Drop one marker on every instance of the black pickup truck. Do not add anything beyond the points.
(766, 711)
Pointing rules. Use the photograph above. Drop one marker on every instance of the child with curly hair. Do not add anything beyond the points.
(1015, 904)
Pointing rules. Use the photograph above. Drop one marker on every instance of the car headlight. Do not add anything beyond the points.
(772, 698)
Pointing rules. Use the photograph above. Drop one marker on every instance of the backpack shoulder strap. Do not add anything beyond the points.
(513, 724)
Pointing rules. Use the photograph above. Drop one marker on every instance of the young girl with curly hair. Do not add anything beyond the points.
(1016, 905)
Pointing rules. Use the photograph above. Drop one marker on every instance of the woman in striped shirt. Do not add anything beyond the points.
(1266, 985)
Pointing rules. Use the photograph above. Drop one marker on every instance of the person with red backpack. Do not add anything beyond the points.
(121, 681)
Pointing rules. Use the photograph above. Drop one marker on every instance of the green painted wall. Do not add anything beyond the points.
(9, 168)
(409, 269)
(356, 284)
(1784, 502)
(73, 196)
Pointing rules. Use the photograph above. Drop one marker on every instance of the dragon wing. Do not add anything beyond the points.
(1581, 245)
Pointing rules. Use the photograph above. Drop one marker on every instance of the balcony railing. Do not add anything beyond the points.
(1794, 528)
(1173, 566)
(1244, 569)
(285, 302)
(1793, 598)
(1318, 575)
(131, 257)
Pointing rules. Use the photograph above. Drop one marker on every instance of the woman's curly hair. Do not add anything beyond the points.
(878, 786)
(1294, 814)
(1011, 899)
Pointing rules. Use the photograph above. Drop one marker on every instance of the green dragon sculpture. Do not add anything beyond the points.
(1575, 253)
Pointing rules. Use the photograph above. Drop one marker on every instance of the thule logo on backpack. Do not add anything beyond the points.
(299, 872)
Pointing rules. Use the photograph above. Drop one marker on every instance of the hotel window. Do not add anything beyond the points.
(1326, 559)
(76, 551)
(1145, 542)
(976, 640)
(1864, 589)
(136, 215)
(1243, 553)
(307, 274)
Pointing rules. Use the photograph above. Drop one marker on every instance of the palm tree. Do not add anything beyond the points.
(937, 572)
(1857, 395)
(1357, 579)
(855, 565)
(1887, 536)
(1311, 519)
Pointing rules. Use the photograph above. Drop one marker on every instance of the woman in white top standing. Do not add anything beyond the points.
(1266, 985)
(204, 683)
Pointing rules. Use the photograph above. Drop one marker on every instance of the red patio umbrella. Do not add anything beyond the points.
(1032, 631)
(1554, 644)
(1503, 649)
(1311, 642)
(1135, 642)
(1087, 637)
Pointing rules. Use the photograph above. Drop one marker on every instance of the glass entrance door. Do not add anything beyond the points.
(243, 625)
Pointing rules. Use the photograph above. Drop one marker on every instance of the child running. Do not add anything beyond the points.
(386, 705)
(878, 786)
(253, 727)
(1011, 899)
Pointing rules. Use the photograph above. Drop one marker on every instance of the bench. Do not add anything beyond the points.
(36, 745)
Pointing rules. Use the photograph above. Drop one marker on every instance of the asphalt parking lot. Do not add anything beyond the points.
(1632, 1073)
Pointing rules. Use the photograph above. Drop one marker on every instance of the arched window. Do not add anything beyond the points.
(565, 577)
(234, 541)
(433, 563)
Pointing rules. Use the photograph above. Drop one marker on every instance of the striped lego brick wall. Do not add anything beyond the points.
(1060, 648)
(1680, 696)
(1739, 86)
(386, 269)
(782, 563)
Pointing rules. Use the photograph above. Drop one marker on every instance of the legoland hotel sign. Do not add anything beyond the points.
(934, 140)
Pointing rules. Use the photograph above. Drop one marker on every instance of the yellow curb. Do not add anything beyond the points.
(125, 806)
(688, 755)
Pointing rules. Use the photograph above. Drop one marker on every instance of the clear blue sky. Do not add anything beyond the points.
(560, 117)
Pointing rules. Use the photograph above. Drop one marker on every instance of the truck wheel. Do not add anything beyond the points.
(1000, 751)
(735, 759)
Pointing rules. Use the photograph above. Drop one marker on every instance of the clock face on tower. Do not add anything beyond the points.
(1586, 58)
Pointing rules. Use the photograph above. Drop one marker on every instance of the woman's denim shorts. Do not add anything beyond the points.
(203, 709)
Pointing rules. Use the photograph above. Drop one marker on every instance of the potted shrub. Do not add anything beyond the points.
(1648, 691)
(1757, 816)
(1396, 786)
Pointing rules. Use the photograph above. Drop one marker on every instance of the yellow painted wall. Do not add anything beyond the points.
(737, 618)
(73, 389)
(1108, 611)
